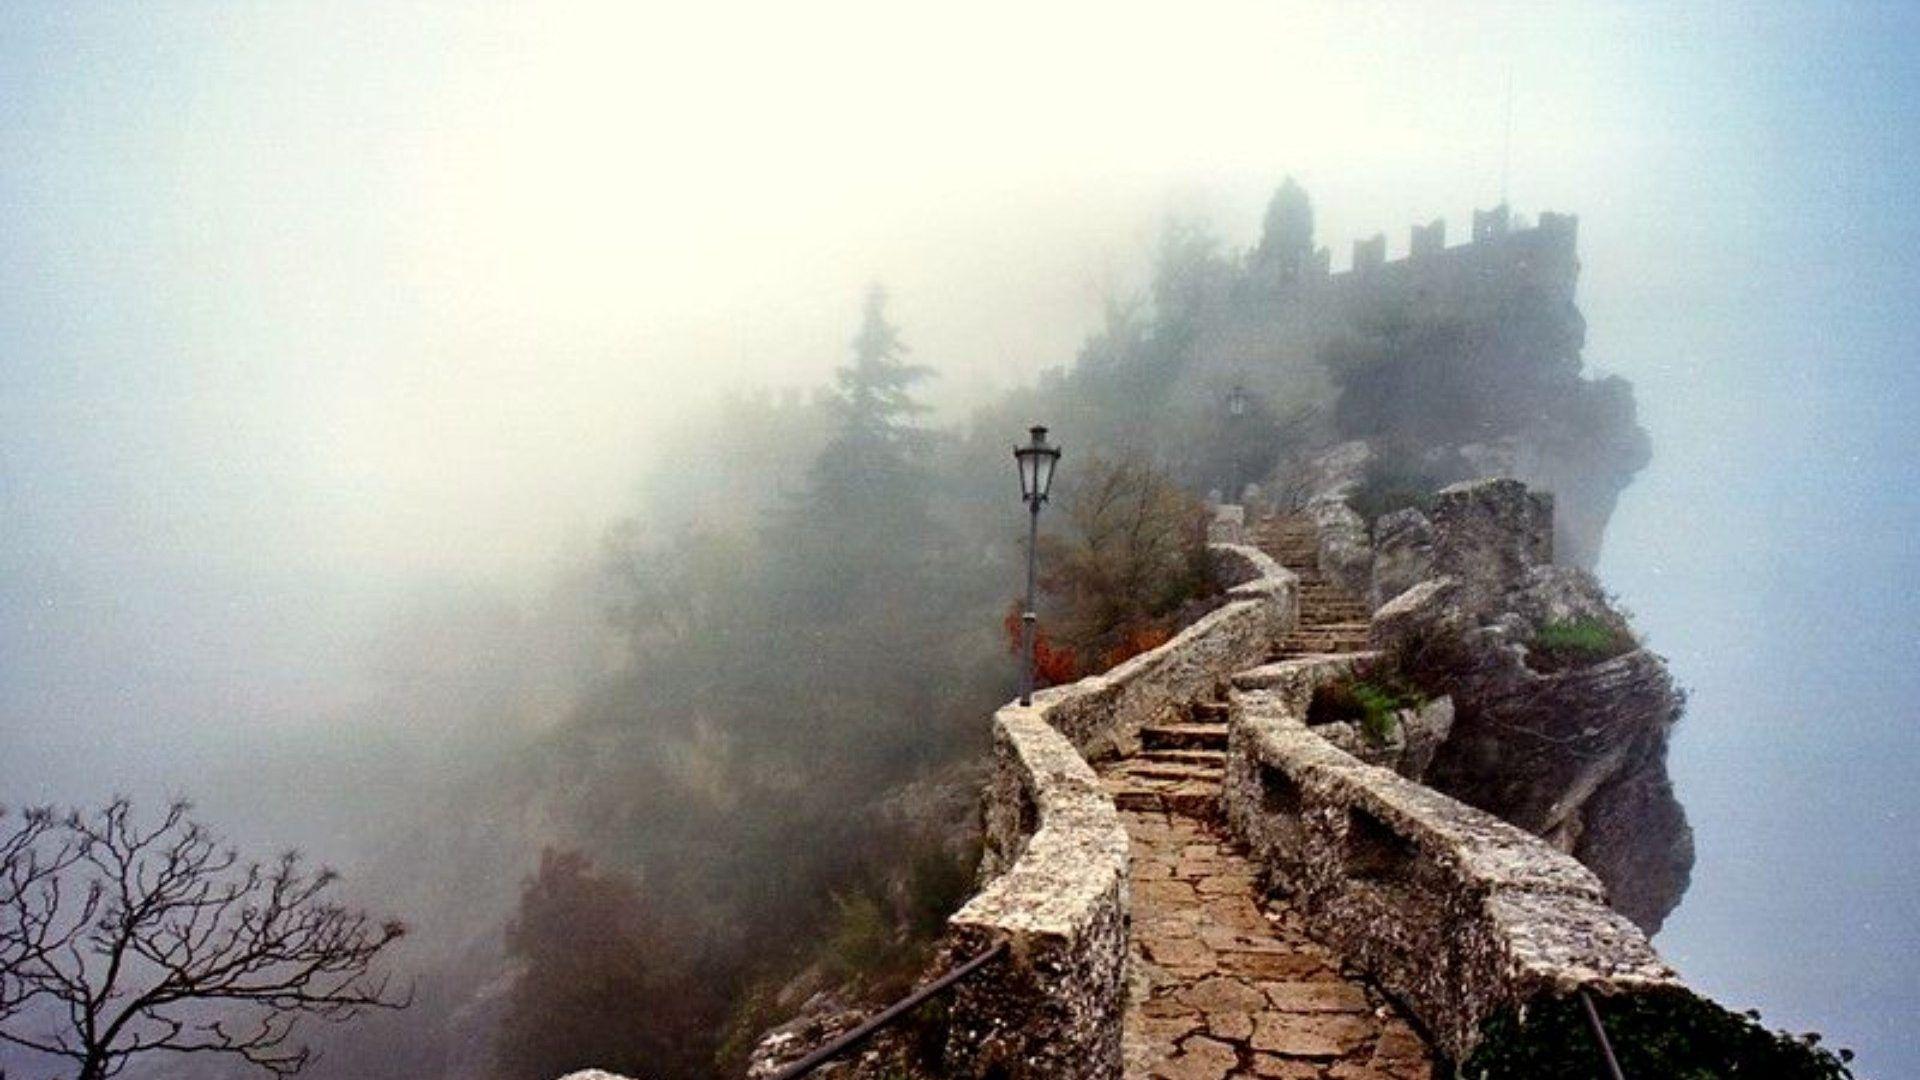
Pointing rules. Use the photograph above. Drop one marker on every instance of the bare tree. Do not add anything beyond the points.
(118, 939)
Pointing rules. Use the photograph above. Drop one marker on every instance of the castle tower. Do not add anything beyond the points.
(1285, 253)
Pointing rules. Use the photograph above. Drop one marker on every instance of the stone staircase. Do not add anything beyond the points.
(1223, 981)
(1332, 620)
(1179, 766)
(1182, 760)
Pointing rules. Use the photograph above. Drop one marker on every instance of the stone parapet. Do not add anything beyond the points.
(1102, 714)
(1055, 860)
(1458, 914)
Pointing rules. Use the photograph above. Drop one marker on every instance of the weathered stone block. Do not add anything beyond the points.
(1488, 533)
(1402, 554)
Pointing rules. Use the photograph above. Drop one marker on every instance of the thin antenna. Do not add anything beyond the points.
(1506, 145)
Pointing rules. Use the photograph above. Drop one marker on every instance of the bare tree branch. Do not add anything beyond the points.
(151, 938)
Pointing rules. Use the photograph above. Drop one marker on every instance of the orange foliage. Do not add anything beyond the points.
(1138, 639)
(1053, 665)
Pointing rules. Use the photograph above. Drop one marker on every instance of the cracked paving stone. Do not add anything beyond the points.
(1200, 1058)
(1225, 988)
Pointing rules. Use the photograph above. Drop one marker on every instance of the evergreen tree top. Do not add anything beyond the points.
(875, 397)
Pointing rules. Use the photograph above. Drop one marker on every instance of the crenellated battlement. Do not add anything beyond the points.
(1497, 256)
(1497, 260)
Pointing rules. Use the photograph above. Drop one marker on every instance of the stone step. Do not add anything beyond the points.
(1145, 799)
(1214, 758)
(1184, 737)
(1310, 638)
(1190, 798)
(1209, 711)
(1143, 769)
(1319, 647)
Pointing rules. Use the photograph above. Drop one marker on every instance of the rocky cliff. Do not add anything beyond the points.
(1561, 718)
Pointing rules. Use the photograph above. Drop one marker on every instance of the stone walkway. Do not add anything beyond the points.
(1220, 988)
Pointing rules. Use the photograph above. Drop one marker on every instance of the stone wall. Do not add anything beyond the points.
(1055, 859)
(1458, 914)
(1102, 714)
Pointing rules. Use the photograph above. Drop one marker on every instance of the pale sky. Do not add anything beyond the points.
(307, 309)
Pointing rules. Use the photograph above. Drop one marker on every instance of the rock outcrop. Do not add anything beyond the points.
(1402, 554)
(1572, 751)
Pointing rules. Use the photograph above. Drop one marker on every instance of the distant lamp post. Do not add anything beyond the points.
(1036, 461)
(1237, 411)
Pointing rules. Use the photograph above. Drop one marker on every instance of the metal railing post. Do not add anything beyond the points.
(1600, 1036)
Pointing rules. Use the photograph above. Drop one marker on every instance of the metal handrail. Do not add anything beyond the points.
(1600, 1036)
(888, 1015)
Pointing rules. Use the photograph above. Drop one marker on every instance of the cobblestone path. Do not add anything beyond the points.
(1219, 987)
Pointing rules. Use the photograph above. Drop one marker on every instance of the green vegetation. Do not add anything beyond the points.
(1572, 643)
(1674, 1035)
(603, 977)
(803, 634)
(1373, 704)
(861, 939)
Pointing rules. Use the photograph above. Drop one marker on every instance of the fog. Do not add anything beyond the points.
(333, 338)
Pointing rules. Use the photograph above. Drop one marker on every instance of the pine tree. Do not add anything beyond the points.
(861, 526)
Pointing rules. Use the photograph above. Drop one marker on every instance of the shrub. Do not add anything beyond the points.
(938, 882)
(603, 979)
(1129, 564)
(861, 939)
(1372, 704)
(1572, 643)
(1053, 664)
(1673, 1034)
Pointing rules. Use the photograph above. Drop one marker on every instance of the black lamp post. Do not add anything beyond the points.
(1036, 461)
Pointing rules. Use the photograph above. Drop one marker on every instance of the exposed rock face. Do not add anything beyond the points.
(1488, 533)
(1402, 554)
(1335, 473)
(1577, 754)
(1408, 749)
(1346, 553)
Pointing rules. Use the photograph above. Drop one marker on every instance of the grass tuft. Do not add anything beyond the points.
(1574, 643)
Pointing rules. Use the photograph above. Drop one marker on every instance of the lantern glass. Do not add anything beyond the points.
(1036, 461)
(1043, 466)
